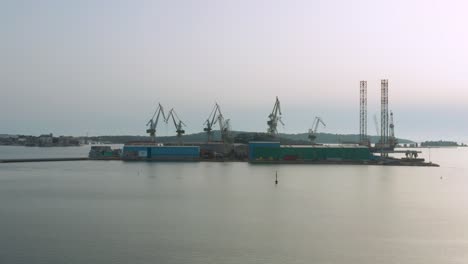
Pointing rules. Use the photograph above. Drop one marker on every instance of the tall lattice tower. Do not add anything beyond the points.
(363, 114)
(384, 113)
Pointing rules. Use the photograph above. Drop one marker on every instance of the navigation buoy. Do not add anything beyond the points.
(276, 181)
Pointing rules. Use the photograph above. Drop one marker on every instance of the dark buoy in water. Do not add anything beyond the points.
(276, 181)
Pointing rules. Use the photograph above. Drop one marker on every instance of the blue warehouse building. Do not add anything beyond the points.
(154, 152)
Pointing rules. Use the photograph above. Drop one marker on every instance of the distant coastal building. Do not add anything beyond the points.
(45, 140)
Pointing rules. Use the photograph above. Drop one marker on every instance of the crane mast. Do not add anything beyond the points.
(177, 124)
(274, 118)
(153, 122)
(210, 121)
(392, 126)
(314, 129)
(392, 140)
(224, 127)
(224, 124)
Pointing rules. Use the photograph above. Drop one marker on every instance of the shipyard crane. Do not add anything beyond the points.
(314, 129)
(224, 127)
(274, 118)
(392, 126)
(224, 124)
(211, 120)
(153, 122)
(392, 140)
(177, 124)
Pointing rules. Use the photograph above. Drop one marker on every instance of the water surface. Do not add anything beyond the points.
(139, 212)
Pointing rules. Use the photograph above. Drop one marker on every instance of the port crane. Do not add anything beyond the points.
(153, 122)
(314, 129)
(274, 118)
(392, 140)
(210, 121)
(224, 124)
(177, 124)
(225, 128)
(392, 126)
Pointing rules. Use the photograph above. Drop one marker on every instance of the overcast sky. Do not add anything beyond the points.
(72, 67)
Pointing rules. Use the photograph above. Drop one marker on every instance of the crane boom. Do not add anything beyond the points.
(318, 121)
(274, 118)
(224, 127)
(217, 117)
(392, 126)
(313, 130)
(178, 124)
(153, 122)
(211, 120)
(393, 141)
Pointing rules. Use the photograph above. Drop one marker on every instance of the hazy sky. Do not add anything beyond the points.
(71, 67)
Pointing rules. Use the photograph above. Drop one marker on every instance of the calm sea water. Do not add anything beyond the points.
(118, 212)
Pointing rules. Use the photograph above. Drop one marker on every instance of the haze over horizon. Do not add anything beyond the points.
(101, 67)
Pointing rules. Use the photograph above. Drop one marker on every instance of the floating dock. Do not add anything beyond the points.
(274, 153)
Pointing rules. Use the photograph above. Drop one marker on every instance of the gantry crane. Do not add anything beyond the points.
(392, 140)
(210, 121)
(314, 129)
(177, 124)
(224, 124)
(274, 118)
(224, 127)
(153, 122)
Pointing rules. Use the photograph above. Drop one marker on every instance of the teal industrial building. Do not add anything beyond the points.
(273, 151)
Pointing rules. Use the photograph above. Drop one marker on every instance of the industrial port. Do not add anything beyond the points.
(268, 149)
(265, 148)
